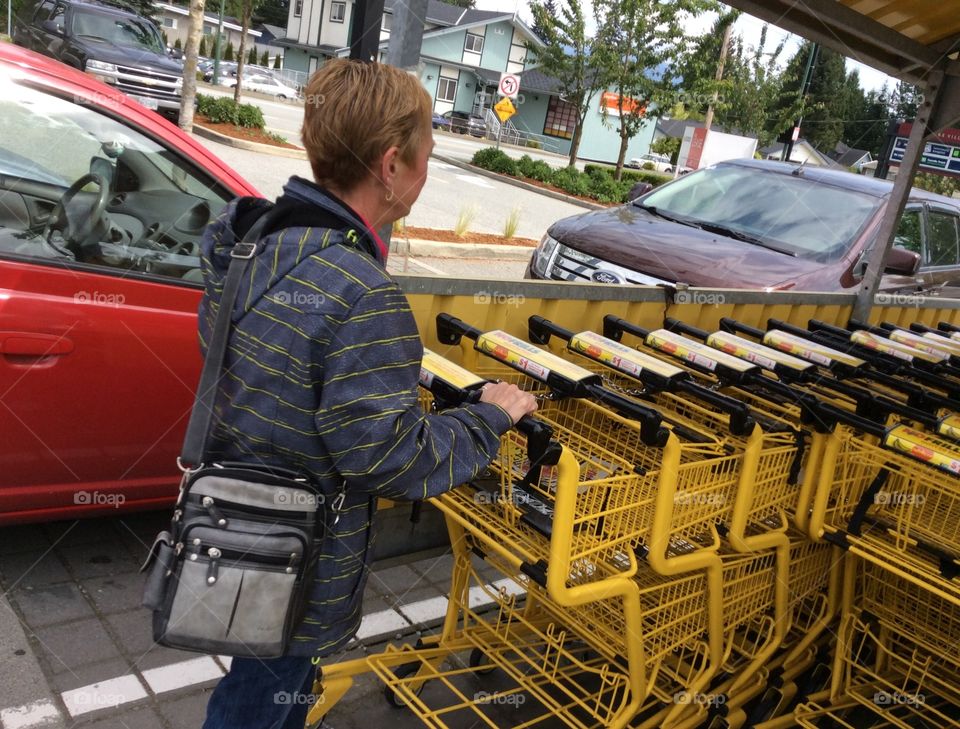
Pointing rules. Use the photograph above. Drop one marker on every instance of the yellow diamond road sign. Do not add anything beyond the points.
(505, 109)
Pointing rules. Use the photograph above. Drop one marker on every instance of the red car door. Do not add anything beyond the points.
(98, 335)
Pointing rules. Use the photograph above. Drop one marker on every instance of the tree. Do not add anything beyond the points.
(203, 46)
(194, 44)
(178, 44)
(278, 61)
(273, 12)
(638, 43)
(265, 59)
(669, 146)
(246, 13)
(551, 10)
(567, 55)
(228, 53)
(461, 3)
(252, 56)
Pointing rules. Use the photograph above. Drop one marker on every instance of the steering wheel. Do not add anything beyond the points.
(75, 232)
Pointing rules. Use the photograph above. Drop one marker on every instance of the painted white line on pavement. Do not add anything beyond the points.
(442, 165)
(185, 673)
(474, 180)
(103, 695)
(381, 624)
(425, 611)
(31, 716)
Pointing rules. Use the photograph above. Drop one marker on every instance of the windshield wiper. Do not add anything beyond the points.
(672, 218)
(745, 237)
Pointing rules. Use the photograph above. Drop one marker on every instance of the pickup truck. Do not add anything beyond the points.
(109, 42)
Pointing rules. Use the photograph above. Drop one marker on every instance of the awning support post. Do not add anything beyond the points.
(901, 191)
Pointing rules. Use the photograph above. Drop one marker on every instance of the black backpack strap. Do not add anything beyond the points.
(198, 430)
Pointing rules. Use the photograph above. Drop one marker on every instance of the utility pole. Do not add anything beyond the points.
(708, 121)
(804, 90)
(216, 56)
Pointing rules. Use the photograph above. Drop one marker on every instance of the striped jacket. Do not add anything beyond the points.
(321, 375)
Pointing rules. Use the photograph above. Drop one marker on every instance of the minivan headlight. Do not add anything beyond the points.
(543, 255)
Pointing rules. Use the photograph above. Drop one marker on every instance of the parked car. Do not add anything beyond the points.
(441, 122)
(263, 83)
(659, 162)
(228, 69)
(752, 224)
(104, 203)
(108, 41)
(465, 123)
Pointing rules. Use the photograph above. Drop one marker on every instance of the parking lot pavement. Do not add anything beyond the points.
(76, 647)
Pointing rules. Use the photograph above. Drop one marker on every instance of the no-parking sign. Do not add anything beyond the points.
(509, 85)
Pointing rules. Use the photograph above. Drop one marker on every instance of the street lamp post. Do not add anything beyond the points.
(216, 56)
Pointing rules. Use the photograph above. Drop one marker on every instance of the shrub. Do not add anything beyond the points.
(249, 115)
(525, 165)
(571, 180)
(541, 171)
(265, 59)
(277, 61)
(534, 144)
(605, 189)
(178, 44)
(495, 160)
(252, 56)
(648, 165)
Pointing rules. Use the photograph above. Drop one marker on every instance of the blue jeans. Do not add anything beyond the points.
(269, 694)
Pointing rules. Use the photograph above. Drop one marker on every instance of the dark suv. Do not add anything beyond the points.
(465, 123)
(108, 41)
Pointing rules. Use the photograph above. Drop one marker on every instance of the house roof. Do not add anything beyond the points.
(274, 31)
(777, 148)
(228, 22)
(325, 50)
(443, 14)
(847, 156)
(675, 128)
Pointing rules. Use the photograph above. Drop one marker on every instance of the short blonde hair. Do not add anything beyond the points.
(354, 112)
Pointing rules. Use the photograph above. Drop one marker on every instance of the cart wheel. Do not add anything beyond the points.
(478, 662)
(394, 699)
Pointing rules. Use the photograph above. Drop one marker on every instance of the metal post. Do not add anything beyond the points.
(898, 198)
(10, 18)
(216, 56)
(365, 29)
(406, 34)
(883, 161)
(804, 90)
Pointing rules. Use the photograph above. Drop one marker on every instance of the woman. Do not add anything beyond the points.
(324, 361)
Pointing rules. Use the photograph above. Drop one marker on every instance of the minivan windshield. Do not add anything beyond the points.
(117, 29)
(789, 213)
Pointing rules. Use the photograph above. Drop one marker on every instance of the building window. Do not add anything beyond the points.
(169, 23)
(337, 12)
(297, 8)
(561, 119)
(473, 43)
(447, 90)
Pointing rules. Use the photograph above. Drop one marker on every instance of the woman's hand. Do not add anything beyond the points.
(511, 398)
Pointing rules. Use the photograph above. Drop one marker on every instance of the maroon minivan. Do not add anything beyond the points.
(751, 224)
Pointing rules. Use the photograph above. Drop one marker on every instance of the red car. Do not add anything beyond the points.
(102, 204)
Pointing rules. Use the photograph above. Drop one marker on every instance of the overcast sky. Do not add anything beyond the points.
(747, 26)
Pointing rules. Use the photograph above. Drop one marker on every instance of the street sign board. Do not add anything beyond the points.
(509, 85)
(504, 110)
(940, 156)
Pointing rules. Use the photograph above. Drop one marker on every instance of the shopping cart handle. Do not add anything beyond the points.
(946, 326)
(792, 329)
(652, 432)
(541, 330)
(614, 327)
(732, 326)
(450, 329)
(815, 325)
(675, 325)
(542, 449)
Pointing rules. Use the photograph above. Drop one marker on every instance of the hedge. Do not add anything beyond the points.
(224, 110)
(596, 181)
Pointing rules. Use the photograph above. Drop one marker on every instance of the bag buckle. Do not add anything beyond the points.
(243, 249)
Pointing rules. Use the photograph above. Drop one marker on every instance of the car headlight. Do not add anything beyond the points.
(543, 255)
(101, 66)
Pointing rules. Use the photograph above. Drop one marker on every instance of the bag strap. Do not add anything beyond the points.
(198, 429)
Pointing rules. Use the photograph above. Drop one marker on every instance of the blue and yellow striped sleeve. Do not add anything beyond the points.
(370, 418)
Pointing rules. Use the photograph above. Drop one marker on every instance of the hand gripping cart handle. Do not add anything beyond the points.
(563, 378)
(658, 376)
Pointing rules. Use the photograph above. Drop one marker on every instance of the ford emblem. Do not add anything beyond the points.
(606, 277)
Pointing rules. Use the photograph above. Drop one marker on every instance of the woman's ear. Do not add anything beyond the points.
(388, 169)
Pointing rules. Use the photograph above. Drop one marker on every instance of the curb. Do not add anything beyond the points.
(518, 183)
(201, 131)
(438, 249)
